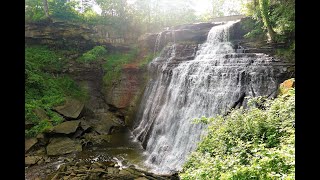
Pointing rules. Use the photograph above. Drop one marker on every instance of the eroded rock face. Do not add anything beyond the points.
(194, 33)
(122, 92)
(63, 145)
(70, 35)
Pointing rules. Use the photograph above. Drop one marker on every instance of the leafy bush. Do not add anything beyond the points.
(254, 143)
(43, 90)
(114, 63)
(147, 59)
(43, 59)
(93, 54)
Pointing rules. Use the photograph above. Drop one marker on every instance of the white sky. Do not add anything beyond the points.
(200, 6)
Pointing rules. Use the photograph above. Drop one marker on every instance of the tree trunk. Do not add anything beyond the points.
(264, 7)
(45, 8)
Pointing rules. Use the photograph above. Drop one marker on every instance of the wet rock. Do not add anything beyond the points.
(78, 133)
(48, 171)
(98, 170)
(57, 176)
(109, 163)
(97, 165)
(67, 127)
(96, 138)
(41, 151)
(141, 178)
(80, 163)
(42, 139)
(105, 123)
(30, 143)
(71, 109)
(47, 159)
(112, 170)
(131, 172)
(41, 161)
(63, 168)
(63, 145)
(31, 160)
(84, 125)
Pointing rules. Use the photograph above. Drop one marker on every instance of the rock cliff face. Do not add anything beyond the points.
(67, 36)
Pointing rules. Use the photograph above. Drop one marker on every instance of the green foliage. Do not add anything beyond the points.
(63, 10)
(40, 127)
(43, 59)
(45, 90)
(255, 28)
(34, 10)
(279, 15)
(147, 59)
(93, 55)
(254, 143)
(114, 63)
(287, 53)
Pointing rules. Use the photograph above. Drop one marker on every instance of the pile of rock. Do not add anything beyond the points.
(71, 135)
(82, 170)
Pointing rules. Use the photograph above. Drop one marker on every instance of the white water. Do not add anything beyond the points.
(205, 86)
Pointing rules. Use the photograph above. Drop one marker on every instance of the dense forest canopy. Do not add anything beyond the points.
(275, 17)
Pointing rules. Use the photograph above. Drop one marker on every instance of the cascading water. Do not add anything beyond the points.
(179, 91)
(157, 44)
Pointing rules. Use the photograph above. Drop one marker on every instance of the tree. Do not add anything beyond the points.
(264, 10)
(45, 8)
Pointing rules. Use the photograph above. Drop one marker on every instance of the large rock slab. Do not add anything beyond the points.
(287, 85)
(63, 145)
(105, 122)
(71, 109)
(31, 160)
(30, 143)
(67, 127)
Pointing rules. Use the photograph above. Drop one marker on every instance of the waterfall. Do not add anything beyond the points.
(180, 91)
(157, 44)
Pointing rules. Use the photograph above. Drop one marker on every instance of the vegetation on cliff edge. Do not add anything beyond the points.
(45, 88)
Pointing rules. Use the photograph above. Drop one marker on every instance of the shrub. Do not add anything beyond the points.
(43, 90)
(93, 54)
(253, 143)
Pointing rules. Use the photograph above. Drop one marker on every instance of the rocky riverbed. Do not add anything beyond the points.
(86, 147)
(118, 158)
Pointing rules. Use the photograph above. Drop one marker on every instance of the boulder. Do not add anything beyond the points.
(67, 127)
(42, 139)
(96, 138)
(29, 143)
(71, 109)
(105, 123)
(112, 170)
(31, 160)
(287, 85)
(63, 145)
(84, 125)
(141, 178)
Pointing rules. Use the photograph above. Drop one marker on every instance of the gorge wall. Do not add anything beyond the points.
(68, 35)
